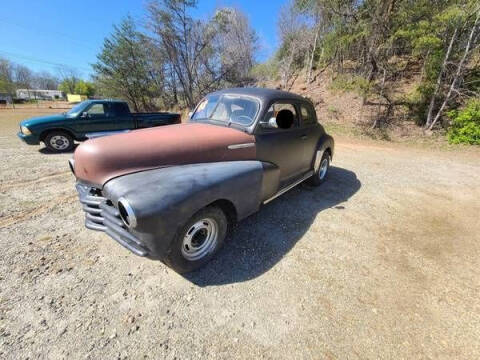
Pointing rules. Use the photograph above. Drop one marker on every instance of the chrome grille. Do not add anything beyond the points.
(101, 215)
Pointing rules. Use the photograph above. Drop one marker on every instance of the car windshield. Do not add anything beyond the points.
(236, 109)
(77, 109)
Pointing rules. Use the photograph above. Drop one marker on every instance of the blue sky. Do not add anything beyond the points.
(42, 34)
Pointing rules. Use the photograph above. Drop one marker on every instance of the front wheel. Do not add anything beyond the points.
(59, 141)
(321, 166)
(198, 240)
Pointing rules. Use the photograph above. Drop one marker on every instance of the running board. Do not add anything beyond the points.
(285, 189)
(95, 135)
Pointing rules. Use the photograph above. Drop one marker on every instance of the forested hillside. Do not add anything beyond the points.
(406, 60)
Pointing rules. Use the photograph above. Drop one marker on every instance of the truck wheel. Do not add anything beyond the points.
(320, 168)
(58, 141)
(198, 241)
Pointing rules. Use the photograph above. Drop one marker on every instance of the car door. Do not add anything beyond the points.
(311, 133)
(95, 119)
(282, 147)
(120, 116)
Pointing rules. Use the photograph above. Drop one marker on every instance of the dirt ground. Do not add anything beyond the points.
(382, 261)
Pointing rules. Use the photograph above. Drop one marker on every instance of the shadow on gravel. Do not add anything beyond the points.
(260, 241)
(45, 151)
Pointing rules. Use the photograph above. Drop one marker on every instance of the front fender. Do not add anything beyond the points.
(43, 131)
(164, 199)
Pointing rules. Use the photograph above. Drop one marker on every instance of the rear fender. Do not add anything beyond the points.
(326, 142)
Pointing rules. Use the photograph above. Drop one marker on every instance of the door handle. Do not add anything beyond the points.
(304, 137)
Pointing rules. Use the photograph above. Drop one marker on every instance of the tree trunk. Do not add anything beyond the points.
(439, 80)
(458, 72)
(310, 65)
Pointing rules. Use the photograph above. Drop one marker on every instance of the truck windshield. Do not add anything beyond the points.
(236, 109)
(77, 109)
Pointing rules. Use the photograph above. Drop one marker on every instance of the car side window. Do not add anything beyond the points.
(285, 113)
(308, 117)
(96, 110)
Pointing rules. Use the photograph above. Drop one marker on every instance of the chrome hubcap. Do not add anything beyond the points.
(320, 167)
(200, 240)
(59, 142)
(323, 169)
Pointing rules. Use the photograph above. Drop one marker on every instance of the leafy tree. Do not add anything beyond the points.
(84, 88)
(123, 67)
(68, 85)
(7, 84)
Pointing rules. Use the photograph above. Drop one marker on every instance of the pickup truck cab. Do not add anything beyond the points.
(171, 193)
(89, 119)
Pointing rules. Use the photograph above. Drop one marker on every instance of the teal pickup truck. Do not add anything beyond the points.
(89, 119)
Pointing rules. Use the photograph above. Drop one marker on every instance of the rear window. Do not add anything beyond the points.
(308, 115)
(119, 108)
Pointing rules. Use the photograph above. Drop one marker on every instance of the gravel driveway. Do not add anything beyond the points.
(382, 261)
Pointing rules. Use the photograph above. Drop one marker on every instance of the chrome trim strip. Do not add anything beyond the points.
(71, 164)
(241, 146)
(285, 189)
(94, 135)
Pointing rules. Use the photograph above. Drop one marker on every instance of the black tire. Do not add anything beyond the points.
(59, 141)
(319, 176)
(181, 257)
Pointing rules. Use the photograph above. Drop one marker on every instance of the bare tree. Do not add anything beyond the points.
(23, 77)
(68, 78)
(458, 72)
(201, 56)
(294, 34)
(45, 80)
(439, 79)
(182, 39)
(237, 45)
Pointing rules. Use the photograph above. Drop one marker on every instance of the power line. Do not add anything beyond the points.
(42, 61)
(39, 32)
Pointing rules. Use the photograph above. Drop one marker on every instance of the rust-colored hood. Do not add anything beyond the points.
(101, 159)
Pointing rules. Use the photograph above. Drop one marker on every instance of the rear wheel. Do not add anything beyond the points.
(198, 240)
(59, 141)
(321, 166)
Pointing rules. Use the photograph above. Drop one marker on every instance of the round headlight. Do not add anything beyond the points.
(25, 130)
(126, 213)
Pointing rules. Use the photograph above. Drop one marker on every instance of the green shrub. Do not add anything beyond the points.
(349, 83)
(465, 128)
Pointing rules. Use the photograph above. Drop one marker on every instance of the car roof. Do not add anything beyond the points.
(264, 94)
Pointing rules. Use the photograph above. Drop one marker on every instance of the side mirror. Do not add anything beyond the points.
(270, 124)
(190, 114)
(84, 115)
